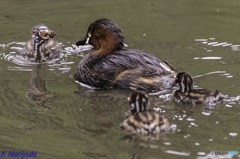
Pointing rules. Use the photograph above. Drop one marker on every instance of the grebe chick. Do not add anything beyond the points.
(187, 95)
(143, 120)
(110, 65)
(42, 47)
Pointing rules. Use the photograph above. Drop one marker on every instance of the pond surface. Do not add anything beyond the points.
(42, 109)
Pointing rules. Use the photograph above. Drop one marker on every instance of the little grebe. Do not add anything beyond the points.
(143, 120)
(187, 95)
(110, 65)
(42, 47)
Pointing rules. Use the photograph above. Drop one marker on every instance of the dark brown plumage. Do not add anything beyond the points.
(110, 65)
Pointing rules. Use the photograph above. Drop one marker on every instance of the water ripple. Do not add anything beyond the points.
(233, 134)
(208, 58)
(11, 52)
(210, 42)
(178, 153)
(223, 73)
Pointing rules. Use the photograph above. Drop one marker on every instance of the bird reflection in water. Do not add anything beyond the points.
(38, 93)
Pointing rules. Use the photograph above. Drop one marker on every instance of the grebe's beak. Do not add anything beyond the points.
(82, 41)
(85, 40)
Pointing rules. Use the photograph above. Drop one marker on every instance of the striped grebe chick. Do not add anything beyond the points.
(186, 94)
(42, 47)
(143, 120)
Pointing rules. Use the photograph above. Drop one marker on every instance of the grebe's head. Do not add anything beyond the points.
(138, 102)
(103, 33)
(41, 32)
(184, 82)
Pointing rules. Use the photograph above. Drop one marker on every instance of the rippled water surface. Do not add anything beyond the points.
(42, 108)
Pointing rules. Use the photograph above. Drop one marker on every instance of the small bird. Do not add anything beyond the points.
(143, 120)
(186, 94)
(42, 47)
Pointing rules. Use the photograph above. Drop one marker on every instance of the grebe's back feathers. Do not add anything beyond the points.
(125, 68)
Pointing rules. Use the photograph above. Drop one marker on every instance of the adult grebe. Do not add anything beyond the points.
(110, 65)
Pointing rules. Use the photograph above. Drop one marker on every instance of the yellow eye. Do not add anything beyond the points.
(89, 35)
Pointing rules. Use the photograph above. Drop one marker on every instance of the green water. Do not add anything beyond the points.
(42, 108)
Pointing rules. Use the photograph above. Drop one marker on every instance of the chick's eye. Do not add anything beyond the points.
(132, 106)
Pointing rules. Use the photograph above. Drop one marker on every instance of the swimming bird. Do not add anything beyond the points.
(111, 65)
(186, 94)
(42, 47)
(142, 119)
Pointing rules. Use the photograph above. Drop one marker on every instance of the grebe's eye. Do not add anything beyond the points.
(88, 38)
(89, 35)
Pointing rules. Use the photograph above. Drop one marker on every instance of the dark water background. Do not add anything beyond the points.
(42, 108)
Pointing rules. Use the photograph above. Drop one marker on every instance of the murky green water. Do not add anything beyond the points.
(42, 108)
